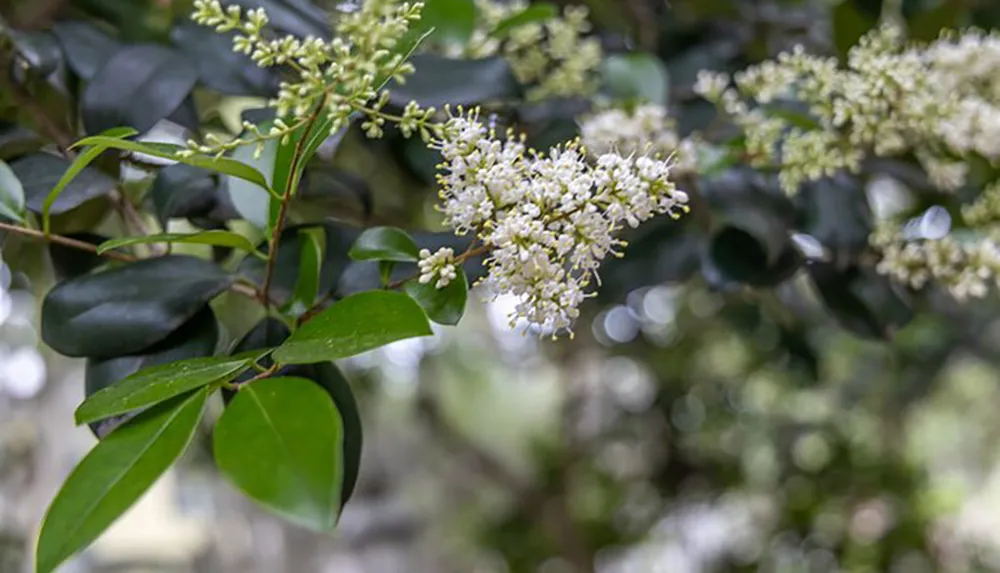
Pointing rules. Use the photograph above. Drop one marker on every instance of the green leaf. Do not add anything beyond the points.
(534, 13)
(114, 475)
(82, 161)
(861, 300)
(356, 324)
(439, 80)
(181, 191)
(219, 67)
(138, 86)
(158, 383)
(281, 442)
(443, 306)
(271, 332)
(217, 238)
(128, 308)
(252, 200)
(307, 285)
(11, 194)
(41, 173)
(286, 268)
(849, 25)
(637, 76)
(451, 20)
(86, 47)
(196, 338)
(224, 165)
(39, 50)
(385, 244)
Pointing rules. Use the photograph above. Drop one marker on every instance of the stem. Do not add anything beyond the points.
(238, 288)
(290, 183)
(66, 242)
(468, 254)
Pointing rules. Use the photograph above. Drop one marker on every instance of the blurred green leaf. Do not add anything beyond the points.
(452, 20)
(637, 76)
(533, 13)
(439, 80)
(86, 47)
(138, 86)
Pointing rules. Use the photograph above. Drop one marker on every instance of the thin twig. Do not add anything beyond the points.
(67, 242)
(279, 224)
(239, 288)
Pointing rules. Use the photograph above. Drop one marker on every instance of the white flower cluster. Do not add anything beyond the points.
(344, 75)
(440, 265)
(645, 130)
(940, 102)
(966, 269)
(555, 57)
(548, 220)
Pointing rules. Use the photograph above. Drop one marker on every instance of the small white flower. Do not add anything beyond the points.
(548, 219)
(439, 265)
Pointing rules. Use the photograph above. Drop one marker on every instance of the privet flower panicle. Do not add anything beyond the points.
(555, 57)
(967, 269)
(344, 75)
(547, 220)
(937, 101)
(439, 265)
(645, 130)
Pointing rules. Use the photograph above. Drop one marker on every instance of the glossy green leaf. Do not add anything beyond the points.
(138, 86)
(534, 13)
(637, 76)
(313, 242)
(86, 157)
(443, 306)
(286, 268)
(217, 238)
(196, 338)
(41, 173)
(252, 200)
(69, 262)
(158, 383)
(11, 194)
(271, 332)
(223, 165)
(114, 475)
(183, 191)
(385, 244)
(128, 308)
(356, 324)
(280, 441)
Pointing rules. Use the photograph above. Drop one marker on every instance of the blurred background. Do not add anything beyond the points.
(692, 425)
